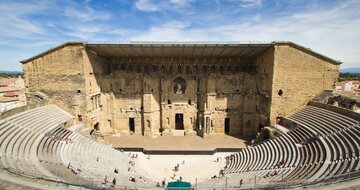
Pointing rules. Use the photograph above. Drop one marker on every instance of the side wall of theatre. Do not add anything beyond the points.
(59, 74)
(298, 76)
(99, 114)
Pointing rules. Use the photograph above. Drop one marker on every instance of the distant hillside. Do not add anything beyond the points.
(351, 70)
(10, 73)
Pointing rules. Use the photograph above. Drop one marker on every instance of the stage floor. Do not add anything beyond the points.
(177, 143)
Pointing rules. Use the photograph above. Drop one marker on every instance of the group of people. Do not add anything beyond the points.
(113, 181)
(133, 157)
(163, 183)
(218, 159)
(132, 161)
(269, 174)
(133, 179)
(67, 139)
(176, 169)
(229, 158)
(280, 163)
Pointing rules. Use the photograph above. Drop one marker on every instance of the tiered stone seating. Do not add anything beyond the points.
(265, 156)
(21, 135)
(36, 143)
(339, 133)
(326, 144)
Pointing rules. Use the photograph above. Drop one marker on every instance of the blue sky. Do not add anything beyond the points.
(329, 27)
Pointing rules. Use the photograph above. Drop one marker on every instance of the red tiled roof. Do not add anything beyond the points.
(8, 99)
(9, 89)
(12, 93)
(7, 81)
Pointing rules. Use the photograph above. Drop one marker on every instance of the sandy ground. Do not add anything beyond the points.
(192, 168)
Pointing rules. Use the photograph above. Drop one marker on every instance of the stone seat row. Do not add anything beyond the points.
(325, 144)
(20, 134)
(35, 142)
(340, 133)
(95, 160)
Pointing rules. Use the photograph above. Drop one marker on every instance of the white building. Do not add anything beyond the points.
(12, 93)
(348, 86)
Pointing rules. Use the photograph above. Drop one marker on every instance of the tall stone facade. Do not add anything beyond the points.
(199, 89)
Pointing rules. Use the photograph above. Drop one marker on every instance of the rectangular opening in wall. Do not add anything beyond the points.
(109, 123)
(227, 126)
(132, 125)
(80, 118)
(179, 121)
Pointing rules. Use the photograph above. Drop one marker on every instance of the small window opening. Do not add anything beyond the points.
(189, 102)
(169, 101)
(80, 118)
(78, 91)
(96, 127)
(131, 108)
(280, 92)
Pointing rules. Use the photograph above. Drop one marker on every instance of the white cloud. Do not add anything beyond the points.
(14, 21)
(171, 31)
(332, 32)
(83, 31)
(153, 5)
(248, 3)
(86, 14)
(181, 3)
(146, 5)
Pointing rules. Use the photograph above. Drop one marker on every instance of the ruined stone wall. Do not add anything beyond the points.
(264, 70)
(243, 91)
(59, 74)
(233, 96)
(127, 95)
(178, 103)
(151, 98)
(96, 103)
(300, 76)
(225, 100)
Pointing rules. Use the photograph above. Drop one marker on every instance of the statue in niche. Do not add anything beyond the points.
(179, 90)
(179, 85)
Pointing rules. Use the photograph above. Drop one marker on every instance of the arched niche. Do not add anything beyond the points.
(179, 85)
